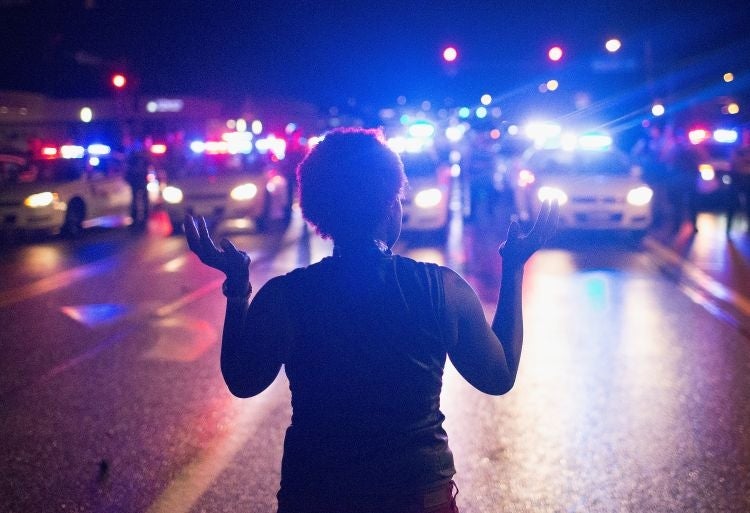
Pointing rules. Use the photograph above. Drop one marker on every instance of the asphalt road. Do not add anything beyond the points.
(632, 394)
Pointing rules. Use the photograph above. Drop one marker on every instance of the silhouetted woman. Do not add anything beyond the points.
(363, 336)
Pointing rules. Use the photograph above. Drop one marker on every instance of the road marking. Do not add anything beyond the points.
(196, 477)
(56, 281)
(713, 287)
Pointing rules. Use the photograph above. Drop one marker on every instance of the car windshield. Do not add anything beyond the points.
(222, 165)
(43, 171)
(580, 163)
(719, 151)
(419, 165)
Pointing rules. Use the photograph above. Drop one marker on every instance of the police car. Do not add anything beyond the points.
(595, 184)
(223, 185)
(64, 190)
(714, 178)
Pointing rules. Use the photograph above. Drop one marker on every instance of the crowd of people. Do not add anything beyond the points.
(670, 165)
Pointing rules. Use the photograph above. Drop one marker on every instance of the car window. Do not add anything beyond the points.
(580, 163)
(12, 170)
(40, 171)
(419, 165)
(222, 165)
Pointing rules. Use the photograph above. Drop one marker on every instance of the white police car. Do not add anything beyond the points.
(64, 190)
(223, 186)
(595, 185)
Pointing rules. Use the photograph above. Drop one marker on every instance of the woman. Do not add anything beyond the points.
(363, 336)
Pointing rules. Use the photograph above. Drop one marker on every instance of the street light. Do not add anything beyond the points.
(613, 45)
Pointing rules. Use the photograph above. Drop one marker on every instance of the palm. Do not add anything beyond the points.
(227, 259)
(519, 247)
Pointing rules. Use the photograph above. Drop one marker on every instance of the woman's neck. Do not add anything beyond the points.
(360, 247)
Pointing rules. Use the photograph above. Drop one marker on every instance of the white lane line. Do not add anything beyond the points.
(713, 287)
(196, 477)
(54, 282)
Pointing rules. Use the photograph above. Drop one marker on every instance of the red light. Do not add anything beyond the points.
(450, 54)
(698, 135)
(49, 151)
(158, 149)
(555, 53)
(119, 81)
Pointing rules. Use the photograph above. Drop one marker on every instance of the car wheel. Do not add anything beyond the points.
(74, 216)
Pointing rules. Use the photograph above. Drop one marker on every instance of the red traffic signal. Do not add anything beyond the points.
(119, 81)
(555, 53)
(450, 54)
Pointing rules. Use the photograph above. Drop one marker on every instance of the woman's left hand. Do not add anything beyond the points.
(229, 260)
(518, 247)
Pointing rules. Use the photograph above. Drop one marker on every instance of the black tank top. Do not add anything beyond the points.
(365, 368)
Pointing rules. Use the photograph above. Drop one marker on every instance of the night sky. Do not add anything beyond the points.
(331, 53)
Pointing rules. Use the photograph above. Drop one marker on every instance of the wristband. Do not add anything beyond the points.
(232, 294)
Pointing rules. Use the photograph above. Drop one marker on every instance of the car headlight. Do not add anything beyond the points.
(172, 194)
(428, 198)
(639, 196)
(39, 200)
(244, 192)
(707, 172)
(546, 193)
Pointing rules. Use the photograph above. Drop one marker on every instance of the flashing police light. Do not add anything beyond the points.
(698, 135)
(98, 149)
(594, 141)
(421, 129)
(722, 135)
(71, 151)
(197, 146)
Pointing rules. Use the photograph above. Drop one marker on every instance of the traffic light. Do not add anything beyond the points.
(450, 54)
(555, 53)
(118, 80)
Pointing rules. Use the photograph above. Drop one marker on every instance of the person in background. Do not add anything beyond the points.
(363, 336)
(740, 185)
(137, 177)
(682, 174)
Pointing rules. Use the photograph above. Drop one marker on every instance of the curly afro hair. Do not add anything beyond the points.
(348, 183)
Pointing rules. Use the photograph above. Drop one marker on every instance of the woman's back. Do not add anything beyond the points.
(365, 367)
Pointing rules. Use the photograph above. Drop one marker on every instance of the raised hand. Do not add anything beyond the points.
(229, 260)
(519, 247)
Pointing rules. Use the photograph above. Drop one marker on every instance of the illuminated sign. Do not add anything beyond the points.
(165, 105)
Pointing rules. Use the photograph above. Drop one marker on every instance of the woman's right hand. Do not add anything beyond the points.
(235, 264)
(518, 247)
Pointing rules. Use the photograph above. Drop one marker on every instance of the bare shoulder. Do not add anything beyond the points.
(457, 289)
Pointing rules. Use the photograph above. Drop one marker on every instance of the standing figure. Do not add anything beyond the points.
(682, 173)
(363, 336)
(740, 185)
(137, 176)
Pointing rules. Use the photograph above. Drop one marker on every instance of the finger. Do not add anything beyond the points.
(205, 237)
(232, 252)
(552, 219)
(514, 230)
(537, 230)
(191, 233)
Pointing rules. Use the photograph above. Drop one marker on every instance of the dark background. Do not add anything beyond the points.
(357, 52)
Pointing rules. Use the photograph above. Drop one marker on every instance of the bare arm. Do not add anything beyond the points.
(253, 333)
(252, 341)
(488, 357)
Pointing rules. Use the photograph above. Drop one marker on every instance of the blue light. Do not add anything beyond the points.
(723, 135)
(464, 112)
(98, 149)
(198, 146)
